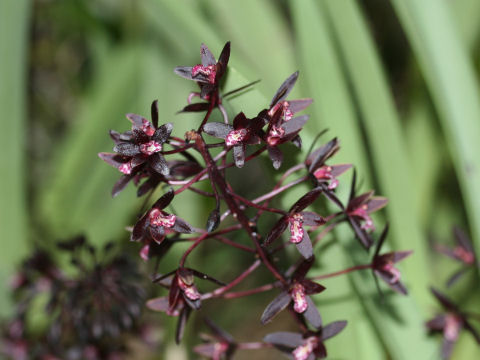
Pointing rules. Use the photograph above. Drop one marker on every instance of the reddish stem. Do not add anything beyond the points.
(253, 346)
(342, 272)
(263, 288)
(260, 207)
(216, 176)
(235, 282)
(279, 190)
(191, 182)
(190, 249)
(234, 244)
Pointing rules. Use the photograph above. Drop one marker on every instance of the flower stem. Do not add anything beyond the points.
(235, 282)
(342, 272)
(238, 294)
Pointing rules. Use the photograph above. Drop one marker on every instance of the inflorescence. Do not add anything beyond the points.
(151, 157)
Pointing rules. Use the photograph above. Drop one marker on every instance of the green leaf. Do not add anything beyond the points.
(14, 26)
(466, 16)
(77, 199)
(425, 153)
(452, 83)
(332, 108)
(384, 137)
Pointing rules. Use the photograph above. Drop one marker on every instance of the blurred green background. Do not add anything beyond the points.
(397, 81)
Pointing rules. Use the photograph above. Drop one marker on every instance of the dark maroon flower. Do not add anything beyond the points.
(138, 152)
(180, 309)
(362, 206)
(220, 345)
(296, 219)
(156, 223)
(306, 346)
(207, 74)
(322, 172)
(384, 265)
(76, 301)
(183, 295)
(358, 212)
(243, 132)
(282, 125)
(450, 323)
(297, 291)
(462, 252)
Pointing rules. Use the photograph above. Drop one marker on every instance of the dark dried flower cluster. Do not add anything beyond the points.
(452, 321)
(150, 151)
(89, 314)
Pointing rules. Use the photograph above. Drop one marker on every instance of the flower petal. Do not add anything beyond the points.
(277, 230)
(376, 203)
(154, 112)
(306, 200)
(302, 269)
(295, 125)
(120, 184)
(207, 56)
(277, 305)
(312, 287)
(462, 239)
(181, 226)
(304, 247)
(361, 235)
(312, 219)
(139, 229)
(312, 315)
(127, 149)
(136, 120)
(159, 164)
(333, 329)
(196, 107)
(284, 89)
(182, 321)
(381, 240)
(213, 220)
(359, 200)
(317, 158)
(437, 323)
(158, 304)
(184, 71)
(339, 169)
(157, 233)
(164, 200)
(223, 60)
(284, 338)
(299, 104)
(395, 286)
(276, 156)
(163, 133)
(217, 129)
(445, 301)
(239, 155)
(456, 276)
(400, 255)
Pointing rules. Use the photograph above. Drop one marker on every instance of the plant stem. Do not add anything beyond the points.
(253, 346)
(236, 281)
(217, 177)
(341, 272)
(238, 294)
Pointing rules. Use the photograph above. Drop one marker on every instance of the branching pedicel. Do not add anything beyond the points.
(143, 157)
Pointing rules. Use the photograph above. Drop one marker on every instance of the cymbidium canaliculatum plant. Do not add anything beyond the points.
(455, 319)
(157, 161)
(90, 311)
